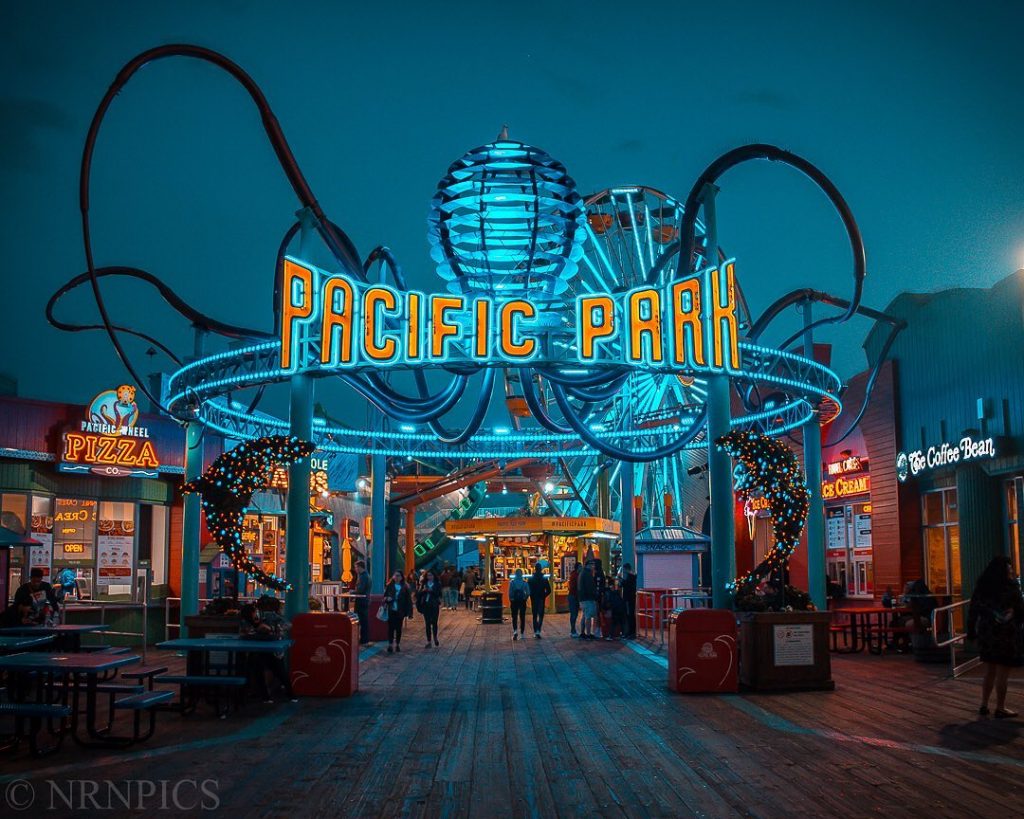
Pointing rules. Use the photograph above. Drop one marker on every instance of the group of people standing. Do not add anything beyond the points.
(607, 604)
(536, 589)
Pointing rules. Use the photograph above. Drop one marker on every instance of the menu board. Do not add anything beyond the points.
(115, 546)
(835, 528)
(862, 531)
(41, 556)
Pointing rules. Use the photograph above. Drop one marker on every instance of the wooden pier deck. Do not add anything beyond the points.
(487, 727)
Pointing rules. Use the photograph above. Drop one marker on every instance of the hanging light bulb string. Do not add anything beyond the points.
(768, 466)
(227, 488)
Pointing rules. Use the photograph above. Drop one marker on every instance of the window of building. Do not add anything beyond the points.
(74, 532)
(942, 541)
(1014, 521)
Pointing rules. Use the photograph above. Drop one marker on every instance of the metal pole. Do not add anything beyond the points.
(812, 468)
(410, 539)
(191, 524)
(300, 418)
(378, 524)
(723, 530)
(626, 518)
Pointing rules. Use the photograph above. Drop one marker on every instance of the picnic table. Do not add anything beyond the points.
(866, 626)
(67, 637)
(11, 643)
(60, 679)
(201, 673)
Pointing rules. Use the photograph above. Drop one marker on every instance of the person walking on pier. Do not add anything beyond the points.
(363, 601)
(587, 591)
(540, 588)
(574, 600)
(996, 619)
(469, 584)
(628, 587)
(518, 592)
(428, 603)
(398, 599)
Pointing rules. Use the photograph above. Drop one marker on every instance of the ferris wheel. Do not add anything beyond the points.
(632, 240)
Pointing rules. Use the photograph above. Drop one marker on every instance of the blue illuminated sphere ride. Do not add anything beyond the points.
(506, 221)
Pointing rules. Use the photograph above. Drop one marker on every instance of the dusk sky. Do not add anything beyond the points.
(913, 109)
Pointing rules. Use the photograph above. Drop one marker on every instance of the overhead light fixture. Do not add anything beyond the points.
(549, 487)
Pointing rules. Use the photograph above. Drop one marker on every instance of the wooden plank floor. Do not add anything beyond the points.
(484, 726)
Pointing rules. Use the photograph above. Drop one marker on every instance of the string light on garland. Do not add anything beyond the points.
(227, 487)
(768, 466)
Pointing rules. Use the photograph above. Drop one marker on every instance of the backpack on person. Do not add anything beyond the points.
(517, 592)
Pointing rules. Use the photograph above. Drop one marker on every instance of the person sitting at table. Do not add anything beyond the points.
(17, 614)
(263, 621)
(39, 596)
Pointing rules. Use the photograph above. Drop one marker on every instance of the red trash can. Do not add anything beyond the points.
(324, 657)
(378, 628)
(702, 656)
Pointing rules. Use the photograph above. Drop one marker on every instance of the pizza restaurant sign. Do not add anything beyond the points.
(911, 464)
(109, 440)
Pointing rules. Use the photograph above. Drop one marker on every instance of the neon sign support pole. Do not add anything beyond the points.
(300, 420)
(723, 528)
(191, 525)
(378, 524)
(812, 468)
(626, 517)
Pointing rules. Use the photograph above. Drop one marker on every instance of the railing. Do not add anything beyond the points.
(654, 606)
(333, 596)
(949, 616)
(140, 600)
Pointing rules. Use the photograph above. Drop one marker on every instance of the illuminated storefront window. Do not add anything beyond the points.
(942, 541)
(1014, 523)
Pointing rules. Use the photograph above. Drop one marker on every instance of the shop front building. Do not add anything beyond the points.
(97, 488)
(960, 380)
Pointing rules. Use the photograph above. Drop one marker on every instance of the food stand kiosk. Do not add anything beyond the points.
(558, 544)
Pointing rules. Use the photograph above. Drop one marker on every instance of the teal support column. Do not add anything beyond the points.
(812, 469)
(296, 558)
(378, 524)
(191, 523)
(626, 518)
(723, 528)
(300, 421)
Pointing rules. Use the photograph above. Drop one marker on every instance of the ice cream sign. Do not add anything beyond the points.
(109, 440)
(911, 464)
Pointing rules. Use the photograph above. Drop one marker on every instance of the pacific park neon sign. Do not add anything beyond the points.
(336, 322)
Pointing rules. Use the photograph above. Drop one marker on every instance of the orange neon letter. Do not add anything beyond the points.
(649, 325)
(589, 332)
(412, 332)
(73, 446)
(440, 329)
(294, 274)
(510, 311)
(339, 305)
(724, 326)
(688, 336)
(374, 300)
(482, 333)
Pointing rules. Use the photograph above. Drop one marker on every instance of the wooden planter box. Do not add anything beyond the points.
(785, 651)
(199, 625)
